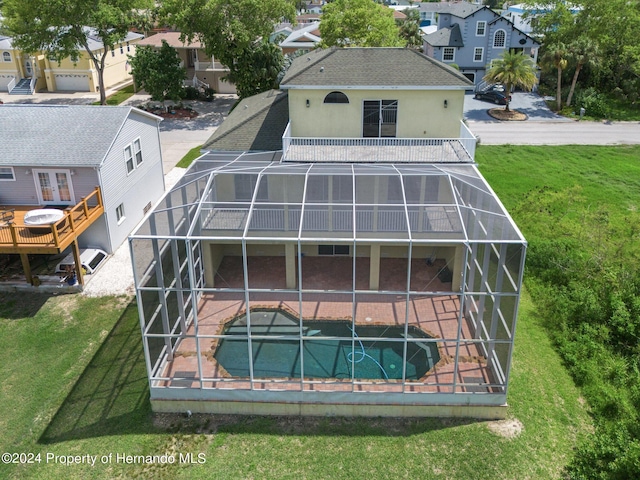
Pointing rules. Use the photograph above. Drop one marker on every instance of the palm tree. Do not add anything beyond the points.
(584, 51)
(512, 70)
(555, 56)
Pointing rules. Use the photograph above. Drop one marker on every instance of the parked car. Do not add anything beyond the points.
(495, 96)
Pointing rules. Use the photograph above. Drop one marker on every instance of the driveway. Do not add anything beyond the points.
(543, 127)
(531, 104)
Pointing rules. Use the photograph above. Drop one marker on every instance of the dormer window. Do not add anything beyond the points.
(499, 39)
(336, 97)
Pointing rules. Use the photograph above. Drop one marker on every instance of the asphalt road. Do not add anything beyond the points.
(542, 126)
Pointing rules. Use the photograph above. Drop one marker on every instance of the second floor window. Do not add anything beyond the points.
(6, 56)
(336, 97)
(128, 159)
(480, 29)
(478, 53)
(137, 149)
(499, 39)
(448, 54)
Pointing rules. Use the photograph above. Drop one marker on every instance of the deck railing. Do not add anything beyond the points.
(380, 150)
(16, 236)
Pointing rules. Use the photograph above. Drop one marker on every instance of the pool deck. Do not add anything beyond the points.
(435, 315)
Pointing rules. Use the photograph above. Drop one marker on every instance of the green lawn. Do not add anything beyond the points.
(66, 393)
(119, 97)
(189, 157)
(74, 379)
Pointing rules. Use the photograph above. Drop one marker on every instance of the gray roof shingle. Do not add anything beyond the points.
(59, 135)
(379, 67)
(445, 37)
(257, 123)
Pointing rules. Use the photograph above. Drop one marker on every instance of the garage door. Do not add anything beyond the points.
(72, 82)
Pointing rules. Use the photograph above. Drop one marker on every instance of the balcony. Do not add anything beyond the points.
(16, 237)
(380, 150)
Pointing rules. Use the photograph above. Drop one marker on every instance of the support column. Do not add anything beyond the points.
(458, 268)
(290, 262)
(78, 262)
(374, 267)
(26, 266)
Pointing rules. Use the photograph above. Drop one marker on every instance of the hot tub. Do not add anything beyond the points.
(40, 220)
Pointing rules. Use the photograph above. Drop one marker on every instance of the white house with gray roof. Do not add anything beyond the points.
(54, 155)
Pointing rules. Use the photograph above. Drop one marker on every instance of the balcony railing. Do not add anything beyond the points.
(380, 150)
(16, 237)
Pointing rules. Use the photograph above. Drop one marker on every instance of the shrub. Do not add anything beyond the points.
(208, 94)
(190, 93)
(594, 103)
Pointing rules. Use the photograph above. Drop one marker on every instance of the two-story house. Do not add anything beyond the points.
(75, 176)
(335, 252)
(202, 70)
(472, 36)
(22, 73)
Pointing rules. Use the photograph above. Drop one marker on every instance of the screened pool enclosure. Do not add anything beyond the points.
(267, 286)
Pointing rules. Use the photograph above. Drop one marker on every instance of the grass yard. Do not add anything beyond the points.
(75, 384)
(120, 96)
(189, 157)
(74, 379)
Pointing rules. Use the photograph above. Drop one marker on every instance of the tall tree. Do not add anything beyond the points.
(158, 72)
(583, 51)
(358, 23)
(231, 29)
(410, 28)
(258, 70)
(61, 29)
(512, 70)
(555, 55)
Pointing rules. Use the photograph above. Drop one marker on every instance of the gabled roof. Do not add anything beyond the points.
(60, 135)
(93, 40)
(307, 36)
(353, 68)
(462, 9)
(172, 38)
(445, 37)
(257, 123)
(514, 28)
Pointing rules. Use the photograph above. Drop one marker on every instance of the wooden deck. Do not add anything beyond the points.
(16, 237)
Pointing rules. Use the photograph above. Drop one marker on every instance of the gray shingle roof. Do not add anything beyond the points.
(378, 67)
(445, 37)
(59, 135)
(257, 123)
(462, 9)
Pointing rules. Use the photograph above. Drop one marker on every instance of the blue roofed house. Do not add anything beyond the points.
(472, 36)
(90, 172)
(334, 252)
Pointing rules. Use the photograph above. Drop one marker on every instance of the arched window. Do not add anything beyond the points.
(6, 56)
(336, 97)
(499, 39)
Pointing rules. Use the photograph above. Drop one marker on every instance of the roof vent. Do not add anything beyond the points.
(308, 59)
(322, 69)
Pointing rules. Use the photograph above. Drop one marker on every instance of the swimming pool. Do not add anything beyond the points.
(330, 349)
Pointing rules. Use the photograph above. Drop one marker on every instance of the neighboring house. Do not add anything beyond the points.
(202, 70)
(516, 14)
(472, 36)
(335, 252)
(22, 73)
(302, 40)
(102, 163)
